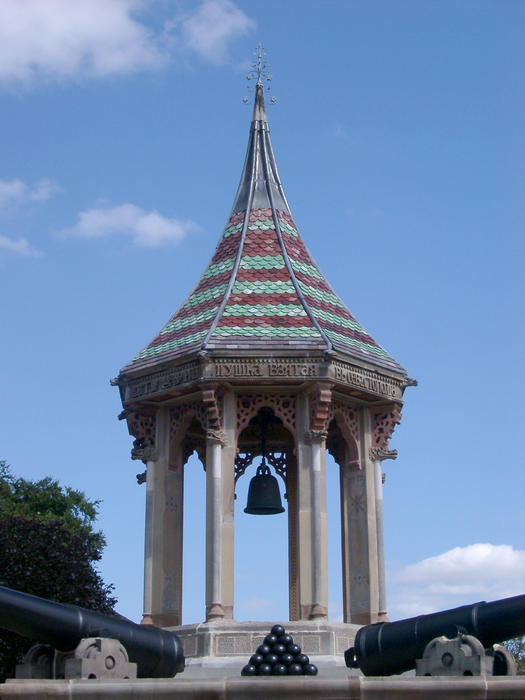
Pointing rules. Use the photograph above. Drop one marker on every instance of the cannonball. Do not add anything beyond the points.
(256, 659)
(280, 670)
(285, 639)
(249, 670)
(264, 670)
(302, 659)
(293, 649)
(278, 630)
(278, 649)
(310, 670)
(286, 659)
(270, 639)
(271, 659)
(295, 670)
(263, 649)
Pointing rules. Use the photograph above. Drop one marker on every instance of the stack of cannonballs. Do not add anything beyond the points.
(279, 656)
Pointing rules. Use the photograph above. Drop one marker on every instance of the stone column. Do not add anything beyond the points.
(381, 575)
(310, 533)
(319, 530)
(163, 537)
(360, 543)
(220, 455)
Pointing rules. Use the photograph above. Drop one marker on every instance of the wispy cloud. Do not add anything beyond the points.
(147, 229)
(209, 29)
(65, 40)
(14, 193)
(18, 246)
(462, 575)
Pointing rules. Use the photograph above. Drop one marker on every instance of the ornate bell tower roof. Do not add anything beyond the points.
(262, 291)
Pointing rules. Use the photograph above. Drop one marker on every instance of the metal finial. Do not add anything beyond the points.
(259, 71)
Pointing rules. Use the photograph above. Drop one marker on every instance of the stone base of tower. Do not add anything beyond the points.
(216, 649)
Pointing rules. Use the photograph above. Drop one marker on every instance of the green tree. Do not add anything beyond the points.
(516, 647)
(48, 547)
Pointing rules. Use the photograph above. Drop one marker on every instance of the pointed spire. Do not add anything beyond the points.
(262, 289)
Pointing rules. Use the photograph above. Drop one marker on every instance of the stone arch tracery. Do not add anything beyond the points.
(276, 458)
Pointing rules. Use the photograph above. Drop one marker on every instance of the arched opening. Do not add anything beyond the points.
(194, 548)
(261, 542)
(188, 460)
(342, 456)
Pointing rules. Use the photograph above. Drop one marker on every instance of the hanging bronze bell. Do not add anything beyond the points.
(264, 497)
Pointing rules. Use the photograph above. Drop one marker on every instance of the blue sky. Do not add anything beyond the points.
(399, 137)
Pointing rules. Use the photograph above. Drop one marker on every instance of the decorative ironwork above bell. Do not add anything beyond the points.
(264, 497)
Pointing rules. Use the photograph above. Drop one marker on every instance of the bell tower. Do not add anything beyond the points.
(263, 359)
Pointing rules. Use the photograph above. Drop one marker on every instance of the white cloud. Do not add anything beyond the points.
(460, 576)
(17, 246)
(146, 229)
(210, 28)
(16, 192)
(65, 39)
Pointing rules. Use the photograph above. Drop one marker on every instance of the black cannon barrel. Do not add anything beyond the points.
(393, 647)
(157, 652)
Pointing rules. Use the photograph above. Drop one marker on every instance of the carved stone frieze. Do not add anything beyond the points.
(253, 369)
(366, 380)
(264, 367)
(162, 382)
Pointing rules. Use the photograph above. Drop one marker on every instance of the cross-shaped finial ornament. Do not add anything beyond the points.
(260, 71)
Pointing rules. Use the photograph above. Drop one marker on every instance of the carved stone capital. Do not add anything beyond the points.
(378, 454)
(217, 436)
(313, 436)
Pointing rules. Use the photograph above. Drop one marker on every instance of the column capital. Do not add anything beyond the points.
(216, 437)
(315, 436)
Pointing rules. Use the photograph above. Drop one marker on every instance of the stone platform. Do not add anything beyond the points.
(216, 649)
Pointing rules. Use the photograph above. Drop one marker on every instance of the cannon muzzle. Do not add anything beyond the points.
(157, 652)
(393, 647)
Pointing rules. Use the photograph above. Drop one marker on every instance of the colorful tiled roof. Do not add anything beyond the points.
(262, 289)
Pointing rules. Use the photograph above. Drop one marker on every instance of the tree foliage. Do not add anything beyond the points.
(516, 647)
(48, 547)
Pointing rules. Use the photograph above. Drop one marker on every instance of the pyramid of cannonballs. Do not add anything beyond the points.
(279, 656)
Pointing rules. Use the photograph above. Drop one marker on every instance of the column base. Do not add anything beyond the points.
(318, 612)
(214, 611)
(161, 619)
